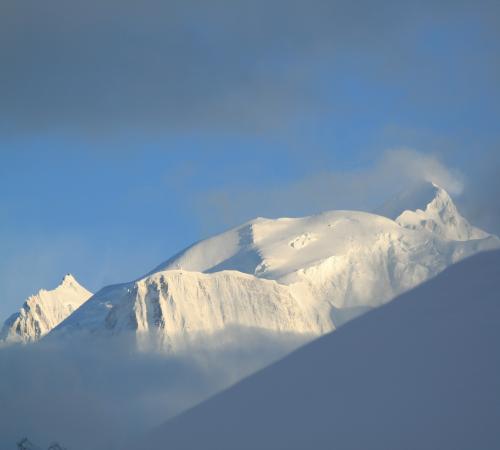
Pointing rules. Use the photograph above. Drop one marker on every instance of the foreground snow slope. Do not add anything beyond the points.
(303, 275)
(43, 311)
(419, 373)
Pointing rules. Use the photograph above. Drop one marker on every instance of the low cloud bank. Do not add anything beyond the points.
(100, 394)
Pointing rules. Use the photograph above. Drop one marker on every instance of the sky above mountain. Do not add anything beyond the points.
(128, 131)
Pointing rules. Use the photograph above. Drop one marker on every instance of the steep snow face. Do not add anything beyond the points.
(307, 275)
(421, 372)
(174, 307)
(43, 311)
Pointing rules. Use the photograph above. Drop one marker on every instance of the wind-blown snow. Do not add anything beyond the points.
(301, 275)
(415, 197)
(44, 311)
(420, 373)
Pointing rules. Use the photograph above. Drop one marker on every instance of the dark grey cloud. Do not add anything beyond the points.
(157, 65)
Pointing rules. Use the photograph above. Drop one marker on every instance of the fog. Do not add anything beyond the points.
(97, 394)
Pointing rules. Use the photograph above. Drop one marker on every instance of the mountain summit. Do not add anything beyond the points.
(428, 206)
(441, 217)
(295, 275)
(43, 311)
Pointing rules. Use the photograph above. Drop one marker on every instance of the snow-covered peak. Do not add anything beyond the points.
(325, 270)
(439, 216)
(277, 248)
(69, 279)
(43, 311)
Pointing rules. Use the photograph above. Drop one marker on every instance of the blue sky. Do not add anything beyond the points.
(127, 134)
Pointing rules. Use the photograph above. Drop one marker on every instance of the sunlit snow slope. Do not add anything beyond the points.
(43, 311)
(303, 275)
(420, 373)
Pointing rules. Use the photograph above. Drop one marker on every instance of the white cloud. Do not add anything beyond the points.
(363, 189)
(418, 166)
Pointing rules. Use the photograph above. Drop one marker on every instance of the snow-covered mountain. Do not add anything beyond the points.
(43, 311)
(302, 275)
(421, 372)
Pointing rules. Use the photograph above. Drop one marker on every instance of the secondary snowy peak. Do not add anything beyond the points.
(429, 207)
(43, 311)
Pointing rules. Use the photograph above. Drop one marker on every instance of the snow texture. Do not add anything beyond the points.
(419, 373)
(301, 275)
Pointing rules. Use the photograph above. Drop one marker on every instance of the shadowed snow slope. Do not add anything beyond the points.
(43, 311)
(301, 275)
(419, 373)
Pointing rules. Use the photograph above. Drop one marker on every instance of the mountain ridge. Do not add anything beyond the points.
(330, 267)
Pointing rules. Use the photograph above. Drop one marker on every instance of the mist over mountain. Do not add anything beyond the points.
(134, 354)
(278, 219)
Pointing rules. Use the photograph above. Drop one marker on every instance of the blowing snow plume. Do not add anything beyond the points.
(363, 189)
